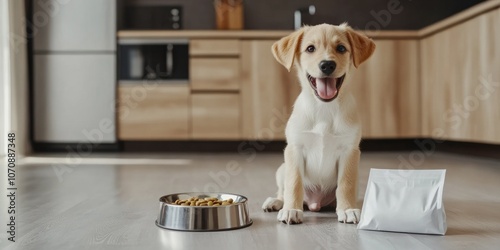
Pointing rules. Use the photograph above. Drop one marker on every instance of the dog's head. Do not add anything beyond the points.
(323, 55)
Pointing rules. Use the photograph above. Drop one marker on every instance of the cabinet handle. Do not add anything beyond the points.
(170, 59)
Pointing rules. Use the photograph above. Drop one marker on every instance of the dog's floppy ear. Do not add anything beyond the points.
(286, 48)
(362, 47)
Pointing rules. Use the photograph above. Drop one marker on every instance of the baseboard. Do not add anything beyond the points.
(235, 146)
(426, 144)
(374, 145)
(202, 146)
(367, 145)
(75, 147)
(471, 149)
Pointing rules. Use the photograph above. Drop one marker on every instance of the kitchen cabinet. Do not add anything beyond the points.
(156, 111)
(214, 74)
(214, 47)
(387, 90)
(268, 92)
(215, 116)
(215, 85)
(206, 107)
(461, 81)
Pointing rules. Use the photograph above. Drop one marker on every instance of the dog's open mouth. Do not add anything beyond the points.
(326, 89)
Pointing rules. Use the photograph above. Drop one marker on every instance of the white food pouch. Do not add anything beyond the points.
(408, 201)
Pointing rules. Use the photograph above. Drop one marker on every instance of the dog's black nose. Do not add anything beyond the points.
(327, 67)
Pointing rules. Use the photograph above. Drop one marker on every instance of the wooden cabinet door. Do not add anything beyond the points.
(215, 116)
(460, 81)
(268, 92)
(153, 112)
(387, 90)
(214, 74)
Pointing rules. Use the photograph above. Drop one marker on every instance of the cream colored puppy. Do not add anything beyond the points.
(323, 132)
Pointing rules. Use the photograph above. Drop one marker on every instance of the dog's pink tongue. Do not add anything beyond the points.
(326, 87)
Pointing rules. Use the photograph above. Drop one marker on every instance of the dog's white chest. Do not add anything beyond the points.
(321, 154)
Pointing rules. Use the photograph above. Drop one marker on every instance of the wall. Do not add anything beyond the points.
(278, 14)
(14, 82)
(3, 78)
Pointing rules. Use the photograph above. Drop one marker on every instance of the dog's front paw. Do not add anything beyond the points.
(290, 216)
(349, 215)
(272, 204)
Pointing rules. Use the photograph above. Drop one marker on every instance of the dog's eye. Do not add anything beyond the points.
(341, 48)
(310, 49)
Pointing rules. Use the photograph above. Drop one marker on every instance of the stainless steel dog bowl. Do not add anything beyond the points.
(203, 218)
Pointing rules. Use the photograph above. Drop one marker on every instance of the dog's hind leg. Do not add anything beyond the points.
(275, 204)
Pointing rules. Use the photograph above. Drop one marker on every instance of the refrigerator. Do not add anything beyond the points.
(74, 71)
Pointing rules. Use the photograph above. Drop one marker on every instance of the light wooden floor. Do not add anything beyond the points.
(114, 206)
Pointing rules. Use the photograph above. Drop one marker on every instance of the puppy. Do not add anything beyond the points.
(323, 132)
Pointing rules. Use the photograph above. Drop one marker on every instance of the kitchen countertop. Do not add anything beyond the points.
(241, 34)
(276, 34)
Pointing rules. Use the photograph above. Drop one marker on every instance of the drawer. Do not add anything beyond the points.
(214, 73)
(215, 116)
(154, 112)
(214, 47)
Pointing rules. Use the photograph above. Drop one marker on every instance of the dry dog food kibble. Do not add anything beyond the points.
(200, 202)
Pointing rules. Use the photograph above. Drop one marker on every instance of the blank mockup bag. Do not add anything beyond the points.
(408, 201)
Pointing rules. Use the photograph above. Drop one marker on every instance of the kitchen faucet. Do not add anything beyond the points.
(297, 15)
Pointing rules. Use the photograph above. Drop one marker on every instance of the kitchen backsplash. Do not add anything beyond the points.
(362, 14)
